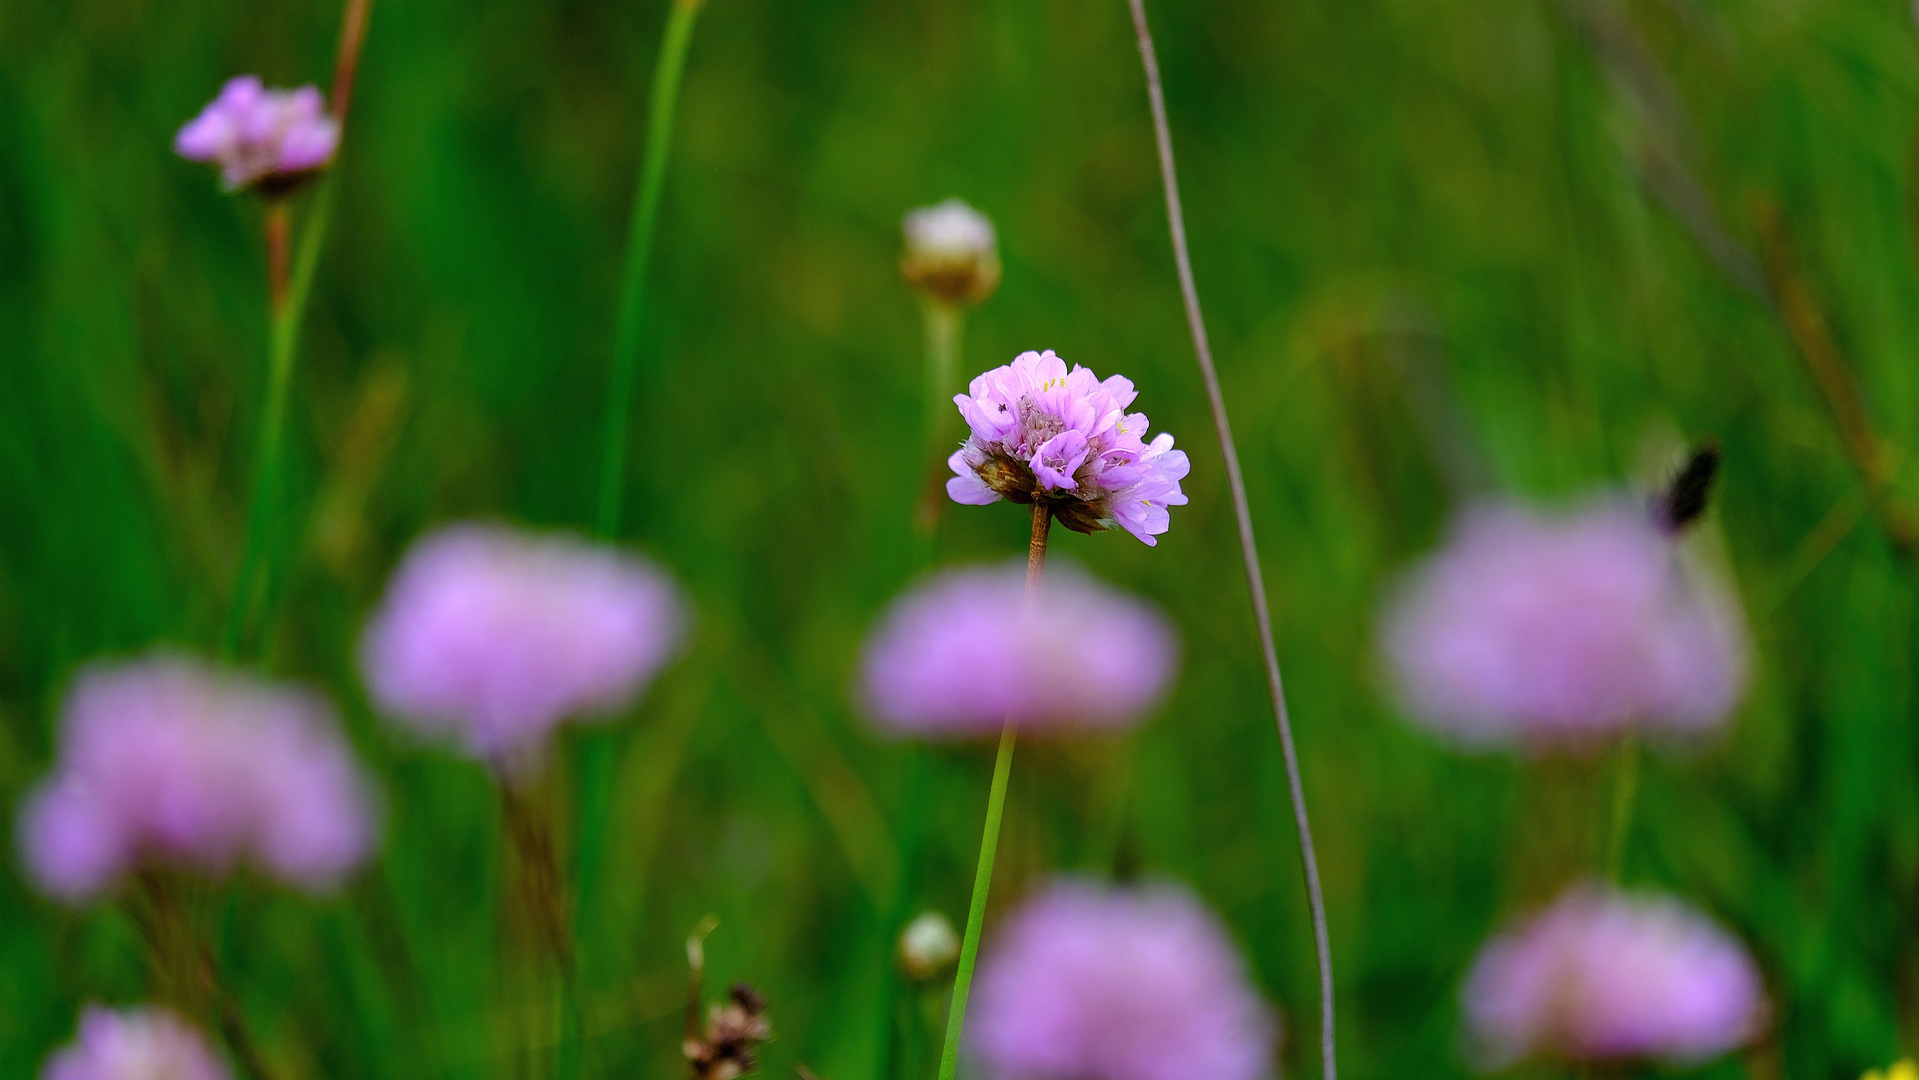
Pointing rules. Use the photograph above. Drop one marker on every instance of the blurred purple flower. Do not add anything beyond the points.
(261, 136)
(167, 760)
(495, 635)
(962, 652)
(1094, 983)
(146, 1043)
(1560, 629)
(1603, 974)
(1043, 434)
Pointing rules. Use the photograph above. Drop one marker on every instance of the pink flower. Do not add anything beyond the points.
(494, 635)
(146, 1043)
(1603, 974)
(1043, 434)
(1094, 983)
(167, 760)
(259, 136)
(963, 652)
(1561, 629)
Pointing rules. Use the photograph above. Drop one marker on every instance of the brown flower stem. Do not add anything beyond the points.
(1811, 335)
(352, 35)
(277, 231)
(537, 868)
(1249, 551)
(989, 837)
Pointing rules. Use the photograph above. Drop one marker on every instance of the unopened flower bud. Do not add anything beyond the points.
(951, 253)
(927, 946)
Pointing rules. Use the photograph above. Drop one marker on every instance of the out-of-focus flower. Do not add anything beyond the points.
(1092, 983)
(166, 760)
(270, 138)
(494, 636)
(951, 253)
(1043, 434)
(1545, 629)
(929, 945)
(146, 1043)
(961, 653)
(734, 1032)
(1603, 974)
(1903, 1069)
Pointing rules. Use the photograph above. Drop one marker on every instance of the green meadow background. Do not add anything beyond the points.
(1556, 239)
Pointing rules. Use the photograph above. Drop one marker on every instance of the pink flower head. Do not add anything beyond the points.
(1603, 974)
(494, 635)
(167, 760)
(1560, 629)
(1094, 983)
(1043, 434)
(965, 651)
(147, 1043)
(273, 138)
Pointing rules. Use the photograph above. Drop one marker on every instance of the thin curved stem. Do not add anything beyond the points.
(989, 838)
(1249, 551)
(639, 247)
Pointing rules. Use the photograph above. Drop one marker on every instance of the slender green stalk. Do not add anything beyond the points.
(976, 913)
(639, 246)
(287, 300)
(989, 838)
(944, 324)
(596, 753)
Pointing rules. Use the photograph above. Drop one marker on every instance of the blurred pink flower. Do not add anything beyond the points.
(167, 760)
(1546, 629)
(258, 135)
(961, 653)
(146, 1043)
(1043, 434)
(1604, 974)
(494, 635)
(1087, 982)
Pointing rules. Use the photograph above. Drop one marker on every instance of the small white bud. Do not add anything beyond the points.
(927, 946)
(951, 253)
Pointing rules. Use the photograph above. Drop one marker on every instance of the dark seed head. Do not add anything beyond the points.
(1685, 498)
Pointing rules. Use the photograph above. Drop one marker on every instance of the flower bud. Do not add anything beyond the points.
(951, 253)
(927, 946)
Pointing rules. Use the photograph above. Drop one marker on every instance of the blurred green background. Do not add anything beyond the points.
(1511, 191)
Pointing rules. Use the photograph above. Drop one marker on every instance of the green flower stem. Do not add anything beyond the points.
(989, 839)
(944, 324)
(1623, 794)
(287, 299)
(639, 246)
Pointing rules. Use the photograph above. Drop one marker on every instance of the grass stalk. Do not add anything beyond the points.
(639, 247)
(1249, 551)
